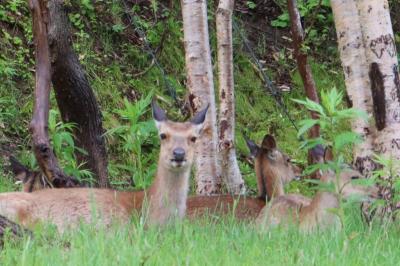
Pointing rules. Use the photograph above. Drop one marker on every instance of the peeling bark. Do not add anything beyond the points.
(229, 166)
(304, 68)
(75, 97)
(201, 88)
(355, 68)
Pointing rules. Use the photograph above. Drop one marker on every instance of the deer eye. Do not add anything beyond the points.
(163, 136)
(193, 139)
(355, 177)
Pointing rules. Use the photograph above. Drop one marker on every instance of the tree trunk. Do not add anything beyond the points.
(355, 68)
(39, 124)
(75, 98)
(380, 50)
(304, 69)
(229, 166)
(201, 87)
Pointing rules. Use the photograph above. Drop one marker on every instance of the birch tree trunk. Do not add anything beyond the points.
(355, 68)
(229, 166)
(380, 50)
(201, 87)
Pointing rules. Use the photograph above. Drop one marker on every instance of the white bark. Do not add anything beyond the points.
(201, 87)
(229, 166)
(355, 67)
(382, 62)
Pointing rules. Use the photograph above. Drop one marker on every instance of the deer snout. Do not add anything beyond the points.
(179, 154)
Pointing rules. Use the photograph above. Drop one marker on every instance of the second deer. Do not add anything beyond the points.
(318, 212)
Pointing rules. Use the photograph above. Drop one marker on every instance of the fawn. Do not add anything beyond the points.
(314, 213)
(166, 197)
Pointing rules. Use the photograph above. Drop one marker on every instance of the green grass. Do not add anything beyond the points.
(205, 243)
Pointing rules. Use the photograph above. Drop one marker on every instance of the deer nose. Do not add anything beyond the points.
(179, 154)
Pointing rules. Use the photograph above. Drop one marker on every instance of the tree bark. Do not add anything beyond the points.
(229, 166)
(201, 88)
(39, 124)
(380, 50)
(75, 98)
(304, 68)
(355, 68)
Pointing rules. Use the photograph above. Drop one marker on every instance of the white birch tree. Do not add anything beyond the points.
(201, 88)
(229, 166)
(383, 70)
(355, 68)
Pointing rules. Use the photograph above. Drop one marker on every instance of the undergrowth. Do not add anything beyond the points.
(206, 243)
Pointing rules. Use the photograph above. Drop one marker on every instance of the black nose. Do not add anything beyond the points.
(179, 154)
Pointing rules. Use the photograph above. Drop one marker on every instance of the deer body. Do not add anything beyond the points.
(166, 197)
(313, 213)
(273, 170)
(272, 173)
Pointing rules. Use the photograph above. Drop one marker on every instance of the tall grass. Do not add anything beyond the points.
(206, 243)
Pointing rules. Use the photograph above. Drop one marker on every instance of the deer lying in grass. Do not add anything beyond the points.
(273, 170)
(318, 212)
(166, 197)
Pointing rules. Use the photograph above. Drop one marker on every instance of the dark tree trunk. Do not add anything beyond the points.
(39, 124)
(304, 68)
(75, 98)
(14, 229)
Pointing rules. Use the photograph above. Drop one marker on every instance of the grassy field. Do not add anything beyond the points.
(206, 242)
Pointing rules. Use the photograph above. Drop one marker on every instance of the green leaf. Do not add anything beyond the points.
(305, 125)
(344, 139)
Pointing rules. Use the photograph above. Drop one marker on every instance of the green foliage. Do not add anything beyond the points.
(330, 118)
(63, 144)
(388, 178)
(132, 136)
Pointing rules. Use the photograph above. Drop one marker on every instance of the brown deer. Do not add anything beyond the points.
(273, 169)
(314, 213)
(166, 197)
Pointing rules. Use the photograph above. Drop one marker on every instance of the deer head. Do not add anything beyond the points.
(31, 180)
(273, 168)
(177, 139)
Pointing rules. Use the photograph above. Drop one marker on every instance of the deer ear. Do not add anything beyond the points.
(328, 154)
(268, 142)
(20, 171)
(158, 114)
(252, 147)
(199, 118)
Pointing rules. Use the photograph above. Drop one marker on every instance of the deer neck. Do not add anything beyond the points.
(168, 194)
(274, 185)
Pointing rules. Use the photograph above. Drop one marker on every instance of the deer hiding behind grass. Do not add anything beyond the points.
(318, 212)
(166, 197)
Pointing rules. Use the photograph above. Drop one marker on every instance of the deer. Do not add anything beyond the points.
(166, 197)
(272, 167)
(315, 213)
